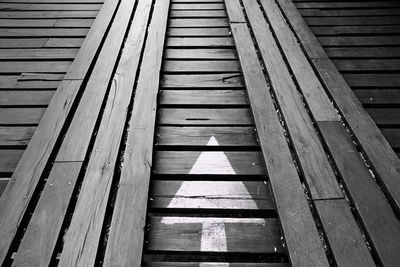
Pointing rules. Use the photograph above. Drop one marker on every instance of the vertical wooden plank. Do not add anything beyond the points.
(125, 243)
(40, 238)
(82, 239)
(301, 236)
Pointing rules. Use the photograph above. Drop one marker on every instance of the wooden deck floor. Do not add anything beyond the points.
(196, 133)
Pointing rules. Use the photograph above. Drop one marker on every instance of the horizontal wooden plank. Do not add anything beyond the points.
(345, 4)
(197, 14)
(210, 195)
(202, 97)
(34, 66)
(228, 116)
(363, 52)
(200, 136)
(47, 7)
(359, 40)
(3, 184)
(15, 136)
(373, 80)
(368, 65)
(385, 116)
(25, 98)
(349, 12)
(198, 22)
(81, 23)
(64, 42)
(195, 234)
(203, 66)
(23, 42)
(15, 116)
(9, 159)
(196, 6)
(203, 81)
(393, 136)
(355, 30)
(198, 32)
(212, 264)
(198, 53)
(197, 162)
(45, 23)
(379, 97)
(25, 54)
(42, 32)
(48, 14)
(200, 42)
(370, 20)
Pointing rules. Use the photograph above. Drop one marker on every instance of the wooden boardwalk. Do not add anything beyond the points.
(198, 133)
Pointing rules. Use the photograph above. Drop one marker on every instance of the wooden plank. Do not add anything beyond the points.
(388, 30)
(200, 42)
(29, 54)
(76, 140)
(9, 159)
(212, 264)
(34, 66)
(201, 97)
(373, 80)
(200, 136)
(53, 1)
(23, 42)
(16, 136)
(235, 12)
(349, 12)
(363, 52)
(182, 162)
(187, 116)
(344, 4)
(3, 184)
(199, 32)
(47, 7)
(25, 98)
(197, 14)
(48, 14)
(312, 90)
(377, 216)
(366, 65)
(16, 116)
(44, 227)
(198, 54)
(185, 234)
(385, 116)
(378, 97)
(370, 20)
(225, 195)
(300, 233)
(393, 136)
(84, 235)
(345, 239)
(359, 40)
(64, 43)
(125, 242)
(195, 6)
(28, 172)
(197, 22)
(26, 23)
(74, 23)
(380, 154)
(321, 180)
(202, 66)
(203, 81)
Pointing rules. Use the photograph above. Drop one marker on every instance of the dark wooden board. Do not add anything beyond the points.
(188, 116)
(363, 52)
(25, 98)
(192, 162)
(199, 53)
(200, 136)
(357, 30)
(349, 12)
(16, 116)
(201, 97)
(367, 65)
(199, 32)
(29, 54)
(344, 237)
(202, 66)
(373, 80)
(385, 116)
(197, 22)
(200, 42)
(379, 97)
(9, 159)
(371, 205)
(345, 4)
(197, 14)
(196, 6)
(359, 40)
(226, 195)
(212, 264)
(15, 136)
(370, 20)
(393, 136)
(185, 234)
(203, 81)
